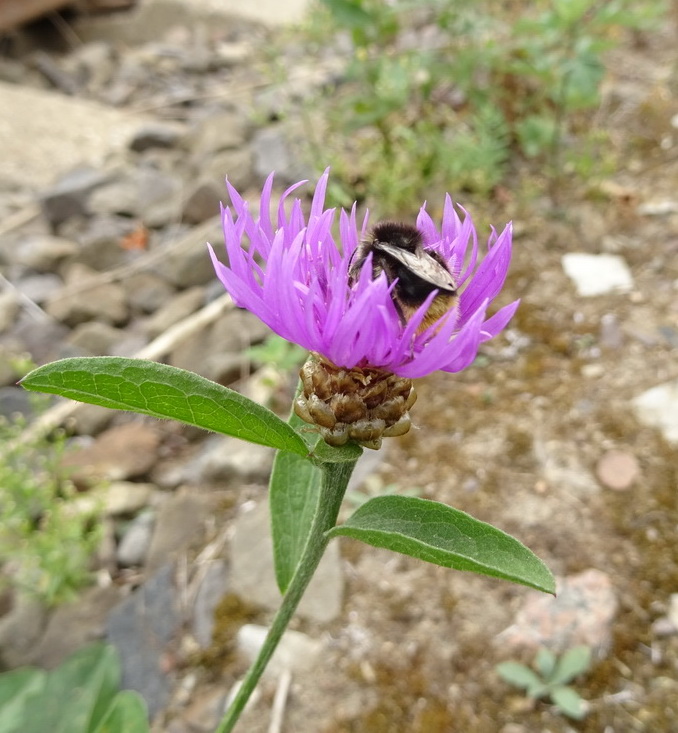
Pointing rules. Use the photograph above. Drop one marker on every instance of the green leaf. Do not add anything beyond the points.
(545, 662)
(518, 675)
(569, 702)
(166, 392)
(293, 496)
(348, 13)
(574, 662)
(126, 714)
(18, 689)
(77, 693)
(445, 536)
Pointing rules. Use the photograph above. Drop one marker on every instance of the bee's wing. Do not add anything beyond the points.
(422, 265)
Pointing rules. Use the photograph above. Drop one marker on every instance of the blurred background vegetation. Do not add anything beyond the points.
(448, 95)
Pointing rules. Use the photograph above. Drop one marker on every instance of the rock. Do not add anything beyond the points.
(96, 339)
(73, 305)
(156, 135)
(39, 288)
(668, 625)
(296, 652)
(177, 308)
(149, 195)
(147, 292)
(562, 469)
(272, 153)
(141, 629)
(253, 576)
(211, 590)
(20, 630)
(180, 523)
(44, 252)
(219, 131)
(101, 242)
(188, 263)
(224, 459)
(617, 470)
(15, 401)
(202, 202)
(47, 132)
(98, 63)
(74, 625)
(658, 408)
(9, 309)
(237, 165)
(122, 452)
(90, 419)
(582, 613)
(44, 339)
(122, 498)
(69, 196)
(134, 544)
(597, 274)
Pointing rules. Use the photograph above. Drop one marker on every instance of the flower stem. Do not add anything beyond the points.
(335, 478)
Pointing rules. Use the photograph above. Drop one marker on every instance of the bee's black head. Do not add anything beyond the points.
(398, 235)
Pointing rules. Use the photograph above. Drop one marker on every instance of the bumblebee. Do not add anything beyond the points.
(397, 251)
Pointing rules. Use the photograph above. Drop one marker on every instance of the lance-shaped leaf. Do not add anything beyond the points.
(293, 496)
(166, 392)
(439, 534)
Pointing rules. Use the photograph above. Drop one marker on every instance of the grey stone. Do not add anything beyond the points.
(296, 652)
(225, 459)
(202, 202)
(101, 242)
(187, 266)
(69, 196)
(72, 626)
(141, 629)
(658, 408)
(156, 135)
(47, 132)
(134, 544)
(105, 302)
(177, 308)
(15, 401)
(96, 339)
(20, 629)
(219, 131)
(122, 452)
(253, 576)
(44, 340)
(39, 287)
(150, 195)
(210, 592)
(43, 252)
(273, 151)
(90, 419)
(126, 497)
(147, 292)
(597, 274)
(237, 165)
(180, 523)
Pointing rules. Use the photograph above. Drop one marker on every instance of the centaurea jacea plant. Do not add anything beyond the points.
(356, 387)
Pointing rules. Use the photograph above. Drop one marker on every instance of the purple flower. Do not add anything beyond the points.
(294, 277)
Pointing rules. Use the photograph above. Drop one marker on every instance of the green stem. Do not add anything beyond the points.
(333, 487)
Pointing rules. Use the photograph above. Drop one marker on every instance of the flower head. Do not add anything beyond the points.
(296, 279)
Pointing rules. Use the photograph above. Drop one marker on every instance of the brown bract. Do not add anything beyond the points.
(363, 405)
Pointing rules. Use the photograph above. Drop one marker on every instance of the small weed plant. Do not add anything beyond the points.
(79, 696)
(457, 94)
(551, 678)
(45, 545)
